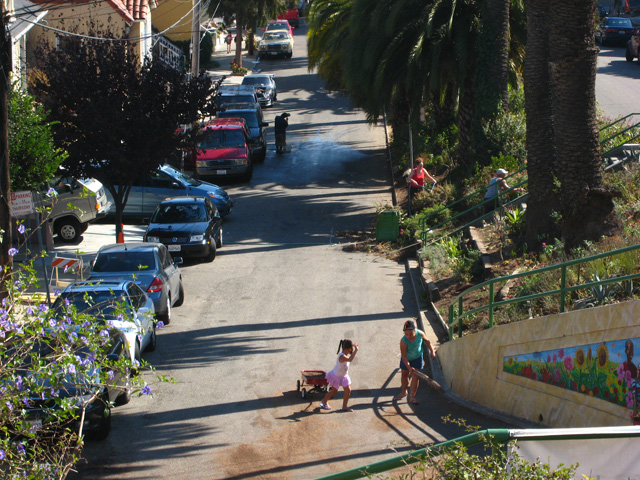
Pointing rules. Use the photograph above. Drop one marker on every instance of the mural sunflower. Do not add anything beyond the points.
(579, 358)
(603, 356)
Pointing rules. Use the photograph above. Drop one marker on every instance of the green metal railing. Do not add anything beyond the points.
(456, 307)
(499, 435)
(422, 223)
(617, 134)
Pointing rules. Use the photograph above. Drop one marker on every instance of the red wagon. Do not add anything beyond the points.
(316, 379)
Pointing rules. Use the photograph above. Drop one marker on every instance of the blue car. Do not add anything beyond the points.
(167, 182)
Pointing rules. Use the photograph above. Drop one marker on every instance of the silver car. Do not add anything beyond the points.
(152, 268)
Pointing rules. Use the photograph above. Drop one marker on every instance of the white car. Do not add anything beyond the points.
(119, 303)
(276, 43)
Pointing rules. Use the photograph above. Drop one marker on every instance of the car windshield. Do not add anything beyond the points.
(224, 99)
(102, 303)
(177, 213)
(221, 139)
(277, 26)
(123, 261)
(619, 22)
(182, 177)
(262, 81)
(249, 117)
(275, 36)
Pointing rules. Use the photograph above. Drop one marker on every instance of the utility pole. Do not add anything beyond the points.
(195, 40)
(6, 261)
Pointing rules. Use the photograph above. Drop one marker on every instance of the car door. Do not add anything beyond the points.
(171, 271)
(215, 223)
(133, 208)
(158, 186)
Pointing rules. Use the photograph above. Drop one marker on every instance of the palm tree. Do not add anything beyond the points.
(326, 39)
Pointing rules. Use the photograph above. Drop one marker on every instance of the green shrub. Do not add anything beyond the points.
(435, 214)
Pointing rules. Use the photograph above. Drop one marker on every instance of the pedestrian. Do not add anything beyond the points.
(418, 176)
(228, 39)
(339, 376)
(280, 127)
(412, 351)
(497, 185)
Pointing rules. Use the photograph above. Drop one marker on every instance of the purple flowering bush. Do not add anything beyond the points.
(44, 355)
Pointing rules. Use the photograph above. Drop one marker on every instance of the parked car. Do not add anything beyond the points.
(281, 24)
(86, 390)
(632, 46)
(265, 85)
(614, 30)
(146, 194)
(75, 204)
(121, 303)
(228, 93)
(224, 150)
(292, 16)
(277, 43)
(151, 267)
(252, 115)
(187, 226)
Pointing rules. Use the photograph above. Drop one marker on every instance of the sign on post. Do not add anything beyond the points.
(21, 204)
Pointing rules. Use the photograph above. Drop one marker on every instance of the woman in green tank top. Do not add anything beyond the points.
(412, 351)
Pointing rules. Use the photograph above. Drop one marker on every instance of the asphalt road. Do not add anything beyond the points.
(280, 295)
(617, 91)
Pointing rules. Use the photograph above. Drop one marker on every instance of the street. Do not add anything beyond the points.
(616, 83)
(279, 297)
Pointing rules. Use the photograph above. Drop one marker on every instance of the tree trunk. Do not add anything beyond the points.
(238, 39)
(586, 204)
(464, 154)
(541, 151)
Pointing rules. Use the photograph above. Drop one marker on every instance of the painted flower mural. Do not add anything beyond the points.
(607, 370)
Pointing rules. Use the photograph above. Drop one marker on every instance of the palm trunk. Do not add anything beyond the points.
(542, 199)
(587, 206)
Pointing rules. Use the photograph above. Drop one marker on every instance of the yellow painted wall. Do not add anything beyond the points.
(168, 15)
(473, 365)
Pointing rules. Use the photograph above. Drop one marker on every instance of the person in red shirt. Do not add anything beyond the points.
(418, 176)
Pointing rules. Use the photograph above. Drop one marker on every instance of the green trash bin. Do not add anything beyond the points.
(388, 226)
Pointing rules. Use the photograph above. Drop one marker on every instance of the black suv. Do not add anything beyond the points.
(252, 114)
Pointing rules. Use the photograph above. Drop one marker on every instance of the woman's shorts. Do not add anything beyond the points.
(417, 363)
(336, 382)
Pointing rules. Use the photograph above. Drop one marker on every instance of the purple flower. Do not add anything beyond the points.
(21, 229)
(29, 311)
(19, 383)
(111, 374)
(568, 363)
(13, 252)
(146, 390)
(71, 369)
(56, 292)
(2, 455)
(52, 192)
(160, 324)
(43, 308)
(20, 449)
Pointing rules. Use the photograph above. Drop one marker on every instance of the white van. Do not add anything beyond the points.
(77, 202)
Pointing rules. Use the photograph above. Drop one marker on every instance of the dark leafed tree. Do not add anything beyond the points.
(584, 202)
(116, 119)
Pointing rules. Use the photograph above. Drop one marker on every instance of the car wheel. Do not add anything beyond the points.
(68, 229)
(219, 242)
(102, 431)
(180, 300)
(212, 253)
(166, 316)
(629, 54)
(153, 341)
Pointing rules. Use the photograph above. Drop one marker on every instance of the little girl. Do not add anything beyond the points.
(339, 376)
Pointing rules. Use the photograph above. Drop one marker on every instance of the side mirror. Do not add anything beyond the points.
(217, 217)
(175, 185)
(264, 124)
(178, 261)
(146, 220)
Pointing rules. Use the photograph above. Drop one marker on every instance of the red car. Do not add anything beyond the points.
(292, 16)
(223, 149)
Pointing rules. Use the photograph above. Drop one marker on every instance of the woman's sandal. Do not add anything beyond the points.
(325, 407)
(399, 397)
(348, 409)
(414, 401)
